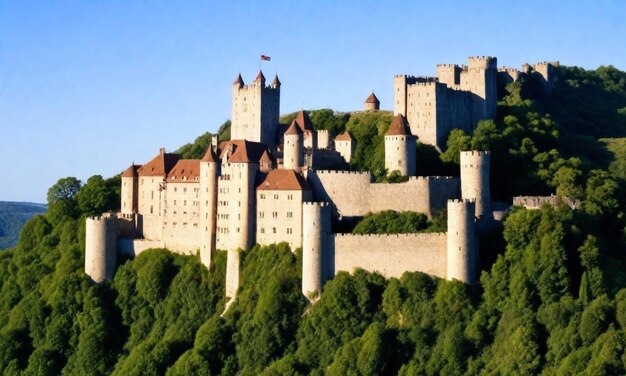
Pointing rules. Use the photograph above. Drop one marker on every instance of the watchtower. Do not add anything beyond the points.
(293, 147)
(462, 250)
(100, 247)
(475, 180)
(130, 190)
(482, 80)
(209, 171)
(316, 219)
(256, 110)
(372, 103)
(400, 147)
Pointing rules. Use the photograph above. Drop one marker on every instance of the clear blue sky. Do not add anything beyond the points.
(87, 87)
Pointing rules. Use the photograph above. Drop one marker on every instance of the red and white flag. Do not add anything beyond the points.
(265, 58)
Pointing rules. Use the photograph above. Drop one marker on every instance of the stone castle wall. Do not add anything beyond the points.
(391, 254)
(353, 194)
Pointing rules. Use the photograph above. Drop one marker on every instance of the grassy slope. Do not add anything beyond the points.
(13, 215)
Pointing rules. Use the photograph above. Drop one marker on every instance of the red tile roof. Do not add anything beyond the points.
(345, 136)
(131, 171)
(398, 127)
(304, 122)
(284, 180)
(209, 156)
(246, 151)
(185, 171)
(293, 129)
(372, 99)
(159, 165)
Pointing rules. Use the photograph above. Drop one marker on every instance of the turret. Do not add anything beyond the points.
(276, 82)
(372, 103)
(323, 139)
(482, 80)
(462, 250)
(400, 147)
(209, 171)
(344, 144)
(316, 239)
(130, 189)
(293, 147)
(238, 81)
(475, 180)
(260, 78)
(100, 247)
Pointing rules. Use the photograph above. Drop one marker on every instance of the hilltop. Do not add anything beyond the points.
(551, 298)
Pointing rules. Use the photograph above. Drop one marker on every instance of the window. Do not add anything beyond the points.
(150, 209)
(274, 214)
(289, 214)
(289, 231)
(262, 230)
(261, 214)
(274, 230)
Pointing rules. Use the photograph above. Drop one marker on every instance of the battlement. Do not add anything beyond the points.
(475, 153)
(105, 217)
(423, 235)
(448, 66)
(431, 178)
(342, 172)
(461, 201)
(315, 203)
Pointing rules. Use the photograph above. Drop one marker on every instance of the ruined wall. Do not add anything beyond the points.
(392, 254)
(353, 194)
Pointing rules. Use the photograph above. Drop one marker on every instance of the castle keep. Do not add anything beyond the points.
(288, 183)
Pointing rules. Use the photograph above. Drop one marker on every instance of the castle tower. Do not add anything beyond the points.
(323, 139)
(209, 171)
(345, 145)
(482, 80)
(293, 148)
(546, 70)
(462, 251)
(400, 148)
(372, 103)
(100, 247)
(475, 180)
(130, 191)
(255, 110)
(316, 237)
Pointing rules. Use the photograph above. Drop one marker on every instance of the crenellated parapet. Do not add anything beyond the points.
(101, 247)
(475, 170)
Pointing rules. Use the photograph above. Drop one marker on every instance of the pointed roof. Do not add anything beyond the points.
(372, 98)
(246, 152)
(185, 171)
(238, 80)
(283, 180)
(209, 156)
(345, 136)
(399, 126)
(260, 76)
(159, 165)
(293, 129)
(304, 122)
(276, 81)
(131, 171)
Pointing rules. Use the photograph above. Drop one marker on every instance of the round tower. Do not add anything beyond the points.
(100, 247)
(293, 147)
(209, 170)
(475, 180)
(316, 233)
(372, 103)
(400, 148)
(462, 252)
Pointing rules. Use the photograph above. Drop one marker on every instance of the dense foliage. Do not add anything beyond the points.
(553, 300)
(13, 215)
(393, 222)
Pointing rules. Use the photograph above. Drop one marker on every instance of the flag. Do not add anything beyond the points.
(265, 58)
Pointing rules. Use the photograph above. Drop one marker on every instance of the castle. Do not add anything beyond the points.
(275, 183)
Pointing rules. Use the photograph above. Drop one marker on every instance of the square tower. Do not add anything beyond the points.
(256, 111)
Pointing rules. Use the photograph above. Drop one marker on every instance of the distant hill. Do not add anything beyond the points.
(13, 215)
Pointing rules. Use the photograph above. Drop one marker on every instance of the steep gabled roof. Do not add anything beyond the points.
(372, 99)
(185, 171)
(276, 81)
(159, 165)
(131, 171)
(260, 76)
(293, 129)
(398, 127)
(304, 122)
(345, 136)
(209, 156)
(284, 180)
(246, 152)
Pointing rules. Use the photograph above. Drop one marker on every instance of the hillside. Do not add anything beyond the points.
(552, 297)
(13, 215)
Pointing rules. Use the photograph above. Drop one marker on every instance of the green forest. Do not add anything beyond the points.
(551, 298)
(13, 215)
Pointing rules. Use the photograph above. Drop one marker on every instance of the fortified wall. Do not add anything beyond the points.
(353, 194)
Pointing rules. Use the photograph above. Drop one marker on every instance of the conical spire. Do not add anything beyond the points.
(398, 127)
(372, 98)
(276, 82)
(293, 129)
(209, 156)
(260, 76)
(304, 121)
(238, 80)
